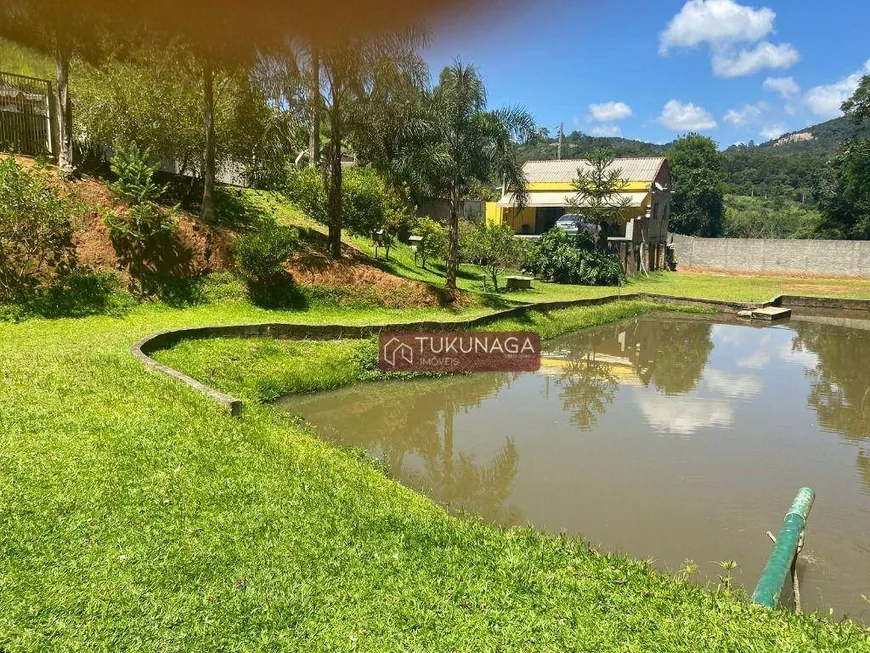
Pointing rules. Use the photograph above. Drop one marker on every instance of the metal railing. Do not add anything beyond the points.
(26, 111)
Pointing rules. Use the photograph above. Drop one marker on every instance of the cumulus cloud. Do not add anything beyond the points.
(727, 29)
(732, 386)
(609, 111)
(798, 354)
(747, 115)
(756, 360)
(606, 130)
(785, 86)
(686, 117)
(746, 62)
(716, 23)
(769, 132)
(825, 101)
(684, 415)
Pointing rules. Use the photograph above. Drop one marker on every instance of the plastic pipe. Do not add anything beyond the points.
(769, 588)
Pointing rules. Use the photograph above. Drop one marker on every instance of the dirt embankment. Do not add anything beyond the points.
(196, 248)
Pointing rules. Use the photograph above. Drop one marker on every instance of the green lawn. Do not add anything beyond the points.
(703, 286)
(136, 515)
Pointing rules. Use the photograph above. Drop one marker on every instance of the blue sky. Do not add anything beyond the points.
(732, 69)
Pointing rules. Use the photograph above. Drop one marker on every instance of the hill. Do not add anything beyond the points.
(823, 138)
(578, 145)
(786, 167)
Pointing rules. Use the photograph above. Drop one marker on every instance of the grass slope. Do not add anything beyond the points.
(136, 515)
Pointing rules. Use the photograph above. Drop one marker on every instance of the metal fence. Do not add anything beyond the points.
(25, 115)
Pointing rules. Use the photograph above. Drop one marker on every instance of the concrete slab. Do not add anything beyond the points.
(771, 313)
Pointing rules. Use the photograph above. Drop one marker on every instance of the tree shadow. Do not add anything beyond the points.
(161, 265)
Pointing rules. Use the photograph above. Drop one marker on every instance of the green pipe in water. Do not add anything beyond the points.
(769, 588)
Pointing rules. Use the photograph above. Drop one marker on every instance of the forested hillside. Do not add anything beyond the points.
(771, 189)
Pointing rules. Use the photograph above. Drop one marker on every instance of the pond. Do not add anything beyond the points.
(670, 437)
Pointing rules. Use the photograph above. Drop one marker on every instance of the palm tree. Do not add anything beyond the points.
(465, 145)
(352, 75)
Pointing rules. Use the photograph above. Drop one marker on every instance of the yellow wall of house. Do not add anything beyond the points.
(516, 220)
(495, 214)
(492, 213)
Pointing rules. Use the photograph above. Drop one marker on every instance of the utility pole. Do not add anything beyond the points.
(559, 155)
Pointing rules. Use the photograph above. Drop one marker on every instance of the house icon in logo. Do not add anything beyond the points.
(395, 350)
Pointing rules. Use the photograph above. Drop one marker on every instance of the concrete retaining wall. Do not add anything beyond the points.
(829, 258)
(142, 350)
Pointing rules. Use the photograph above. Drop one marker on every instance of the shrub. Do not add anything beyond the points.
(35, 230)
(304, 187)
(495, 248)
(82, 292)
(260, 255)
(135, 175)
(558, 257)
(135, 184)
(434, 239)
(368, 202)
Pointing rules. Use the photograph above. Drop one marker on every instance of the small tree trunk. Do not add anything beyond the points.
(65, 154)
(207, 211)
(314, 111)
(453, 241)
(335, 174)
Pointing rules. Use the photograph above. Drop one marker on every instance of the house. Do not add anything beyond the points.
(640, 236)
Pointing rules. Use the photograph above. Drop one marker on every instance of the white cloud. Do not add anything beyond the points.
(743, 387)
(608, 111)
(747, 115)
(746, 62)
(755, 361)
(686, 117)
(785, 86)
(773, 131)
(798, 354)
(684, 415)
(825, 101)
(606, 130)
(717, 23)
(727, 28)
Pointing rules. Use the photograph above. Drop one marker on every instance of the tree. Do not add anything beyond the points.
(62, 30)
(495, 248)
(463, 144)
(843, 190)
(698, 208)
(857, 107)
(599, 196)
(352, 73)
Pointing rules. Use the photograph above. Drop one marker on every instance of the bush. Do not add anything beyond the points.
(304, 187)
(368, 202)
(135, 184)
(494, 247)
(434, 239)
(558, 257)
(261, 255)
(35, 230)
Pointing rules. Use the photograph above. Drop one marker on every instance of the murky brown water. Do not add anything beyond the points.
(665, 437)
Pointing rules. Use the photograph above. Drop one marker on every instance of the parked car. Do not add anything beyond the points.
(572, 223)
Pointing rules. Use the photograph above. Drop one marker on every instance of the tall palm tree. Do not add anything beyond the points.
(466, 145)
(352, 75)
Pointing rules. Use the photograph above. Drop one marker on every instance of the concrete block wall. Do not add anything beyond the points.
(835, 258)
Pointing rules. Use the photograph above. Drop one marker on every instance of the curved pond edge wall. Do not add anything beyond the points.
(143, 349)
